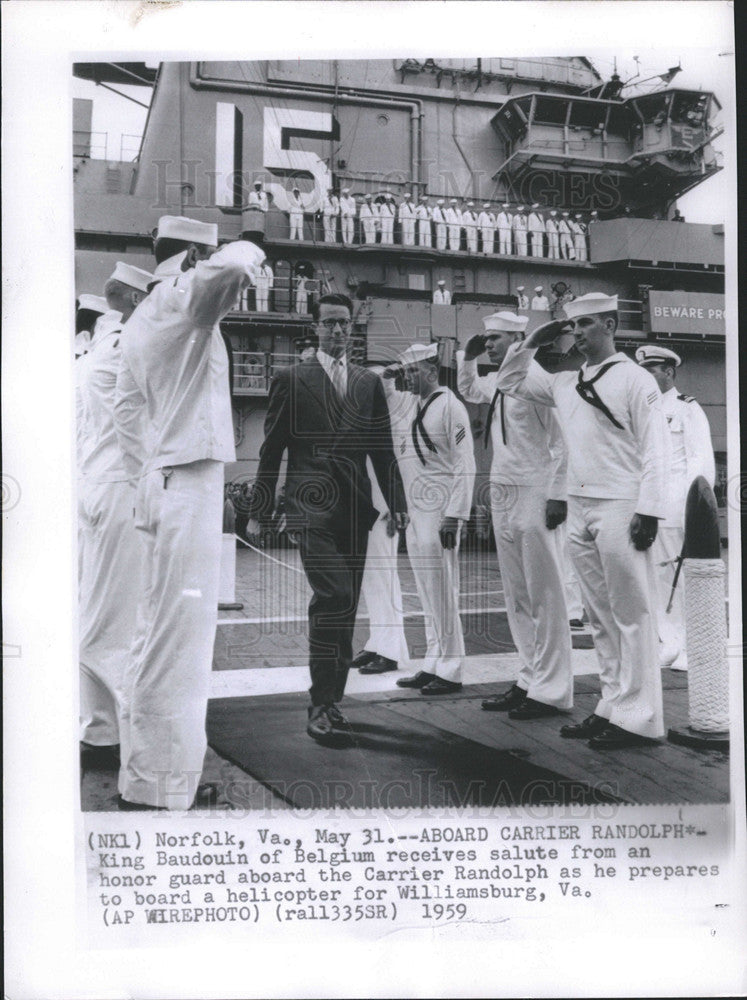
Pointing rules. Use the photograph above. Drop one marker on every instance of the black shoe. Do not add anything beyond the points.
(576, 625)
(592, 725)
(503, 702)
(363, 658)
(206, 795)
(418, 680)
(439, 686)
(99, 758)
(338, 720)
(379, 665)
(615, 738)
(531, 709)
(321, 727)
(124, 805)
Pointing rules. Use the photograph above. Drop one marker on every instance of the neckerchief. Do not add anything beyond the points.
(587, 392)
(417, 426)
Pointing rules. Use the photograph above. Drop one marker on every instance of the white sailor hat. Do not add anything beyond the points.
(258, 184)
(178, 227)
(538, 288)
(553, 212)
(520, 208)
(504, 322)
(505, 205)
(653, 354)
(368, 197)
(418, 352)
(470, 204)
(133, 276)
(424, 197)
(536, 205)
(590, 305)
(486, 204)
(95, 303)
(440, 201)
(519, 288)
(441, 281)
(578, 215)
(566, 213)
(594, 212)
(346, 190)
(452, 201)
(408, 194)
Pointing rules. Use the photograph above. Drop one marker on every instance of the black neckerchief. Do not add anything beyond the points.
(491, 410)
(417, 425)
(587, 392)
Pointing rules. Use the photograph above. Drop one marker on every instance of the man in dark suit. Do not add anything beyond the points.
(328, 415)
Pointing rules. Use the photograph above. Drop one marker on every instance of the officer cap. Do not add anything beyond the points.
(653, 354)
(95, 303)
(418, 352)
(130, 275)
(590, 305)
(178, 227)
(504, 322)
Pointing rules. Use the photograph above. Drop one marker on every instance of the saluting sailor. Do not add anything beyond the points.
(486, 222)
(505, 225)
(536, 231)
(174, 371)
(528, 502)
(433, 445)
(439, 218)
(110, 549)
(611, 417)
(691, 456)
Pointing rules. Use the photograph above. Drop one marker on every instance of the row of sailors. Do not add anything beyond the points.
(556, 235)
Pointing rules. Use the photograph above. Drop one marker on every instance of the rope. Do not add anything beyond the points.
(708, 673)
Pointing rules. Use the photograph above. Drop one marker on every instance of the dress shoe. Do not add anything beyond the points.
(531, 709)
(439, 686)
(206, 795)
(321, 727)
(418, 680)
(124, 805)
(363, 658)
(337, 719)
(592, 725)
(99, 757)
(615, 738)
(379, 665)
(576, 625)
(503, 702)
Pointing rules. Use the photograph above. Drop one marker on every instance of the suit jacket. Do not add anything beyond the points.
(327, 441)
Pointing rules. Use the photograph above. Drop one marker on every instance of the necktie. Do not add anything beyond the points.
(587, 392)
(491, 410)
(338, 378)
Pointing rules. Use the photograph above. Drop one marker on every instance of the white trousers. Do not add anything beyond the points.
(347, 229)
(330, 227)
(504, 240)
(262, 297)
(520, 238)
(296, 227)
(387, 229)
(369, 230)
(436, 573)
(440, 235)
(487, 240)
(470, 233)
(579, 243)
(553, 246)
(382, 594)
(529, 557)
(618, 588)
(573, 601)
(566, 246)
(108, 595)
(302, 301)
(424, 232)
(164, 743)
(408, 232)
(671, 627)
(455, 237)
(536, 242)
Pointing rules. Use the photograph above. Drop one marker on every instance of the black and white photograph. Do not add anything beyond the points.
(399, 489)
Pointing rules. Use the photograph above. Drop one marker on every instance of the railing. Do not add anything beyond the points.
(630, 316)
(285, 296)
(92, 145)
(253, 371)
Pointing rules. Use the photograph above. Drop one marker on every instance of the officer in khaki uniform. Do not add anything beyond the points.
(691, 456)
(612, 421)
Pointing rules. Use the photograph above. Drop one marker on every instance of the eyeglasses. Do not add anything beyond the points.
(330, 324)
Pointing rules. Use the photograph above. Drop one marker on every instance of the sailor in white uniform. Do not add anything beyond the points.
(174, 371)
(88, 311)
(486, 222)
(258, 197)
(387, 215)
(302, 294)
(296, 215)
(264, 282)
(469, 222)
(407, 220)
(566, 240)
(529, 502)
(433, 445)
(523, 301)
(110, 549)
(330, 211)
(454, 222)
(442, 295)
(520, 225)
(424, 213)
(553, 240)
(439, 218)
(536, 226)
(579, 237)
(348, 209)
(505, 224)
(369, 216)
(611, 417)
(540, 302)
(691, 456)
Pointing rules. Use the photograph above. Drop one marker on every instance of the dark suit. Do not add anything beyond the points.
(328, 497)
